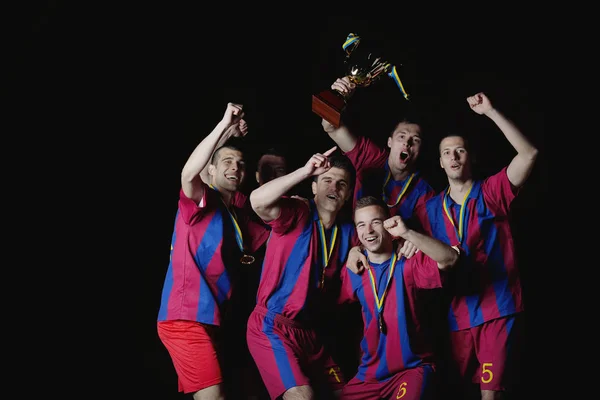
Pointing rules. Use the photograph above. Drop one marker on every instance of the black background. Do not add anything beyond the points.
(129, 89)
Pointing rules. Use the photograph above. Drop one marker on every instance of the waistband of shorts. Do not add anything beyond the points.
(279, 318)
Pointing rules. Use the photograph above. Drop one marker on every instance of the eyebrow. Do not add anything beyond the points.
(373, 220)
(339, 180)
(231, 158)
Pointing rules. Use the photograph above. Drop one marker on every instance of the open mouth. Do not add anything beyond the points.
(371, 239)
(332, 197)
(403, 155)
(455, 166)
(232, 178)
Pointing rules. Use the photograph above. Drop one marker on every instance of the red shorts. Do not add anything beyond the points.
(191, 347)
(412, 384)
(289, 355)
(487, 353)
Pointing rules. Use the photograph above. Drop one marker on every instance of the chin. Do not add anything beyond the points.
(372, 247)
(232, 187)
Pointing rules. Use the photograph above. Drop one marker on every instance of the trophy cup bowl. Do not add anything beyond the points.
(363, 69)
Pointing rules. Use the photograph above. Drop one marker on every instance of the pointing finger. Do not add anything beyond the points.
(331, 150)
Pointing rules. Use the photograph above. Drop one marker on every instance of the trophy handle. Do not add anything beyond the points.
(329, 105)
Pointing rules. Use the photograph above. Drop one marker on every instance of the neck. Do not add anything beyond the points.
(400, 175)
(226, 195)
(458, 188)
(379, 257)
(327, 217)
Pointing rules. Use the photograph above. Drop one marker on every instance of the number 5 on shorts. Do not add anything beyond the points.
(485, 370)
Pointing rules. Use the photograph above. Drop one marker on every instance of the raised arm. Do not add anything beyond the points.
(445, 256)
(344, 139)
(191, 182)
(241, 130)
(265, 198)
(521, 165)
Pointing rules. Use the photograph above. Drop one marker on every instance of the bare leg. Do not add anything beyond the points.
(491, 395)
(214, 392)
(304, 392)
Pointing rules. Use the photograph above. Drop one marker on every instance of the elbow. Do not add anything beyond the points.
(255, 203)
(252, 199)
(533, 153)
(450, 261)
(188, 176)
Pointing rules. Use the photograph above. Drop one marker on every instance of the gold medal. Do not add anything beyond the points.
(247, 259)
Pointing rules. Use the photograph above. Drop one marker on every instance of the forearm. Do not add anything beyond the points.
(521, 165)
(440, 252)
(204, 173)
(264, 198)
(513, 134)
(201, 155)
(343, 138)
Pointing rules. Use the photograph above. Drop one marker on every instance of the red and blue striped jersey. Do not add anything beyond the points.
(486, 285)
(373, 178)
(294, 259)
(204, 258)
(403, 343)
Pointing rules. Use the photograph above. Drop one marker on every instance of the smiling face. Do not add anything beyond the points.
(332, 189)
(404, 144)
(454, 158)
(229, 169)
(369, 228)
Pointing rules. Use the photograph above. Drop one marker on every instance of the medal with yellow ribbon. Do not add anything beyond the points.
(379, 302)
(461, 219)
(246, 258)
(326, 250)
(402, 191)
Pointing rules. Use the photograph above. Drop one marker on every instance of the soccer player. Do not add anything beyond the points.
(305, 253)
(397, 356)
(473, 214)
(246, 382)
(211, 239)
(271, 164)
(387, 173)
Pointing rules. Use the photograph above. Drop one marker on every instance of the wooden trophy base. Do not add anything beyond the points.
(329, 105)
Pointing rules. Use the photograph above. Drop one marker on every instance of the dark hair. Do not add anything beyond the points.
(410, 115)
(340, 161)
(272, 151)
(452, 134)
(227, 145)
(367, 201)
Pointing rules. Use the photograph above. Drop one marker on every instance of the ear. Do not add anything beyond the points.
(257, 177)
(314, 187)
(441, 165)
(211, 169)
(389, 142)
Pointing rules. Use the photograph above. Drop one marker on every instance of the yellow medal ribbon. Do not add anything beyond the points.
(463, 208)
(404, 188)
(246, 259)
(379, 301)
(326, 250)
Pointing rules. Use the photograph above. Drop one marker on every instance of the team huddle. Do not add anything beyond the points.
(402, 243)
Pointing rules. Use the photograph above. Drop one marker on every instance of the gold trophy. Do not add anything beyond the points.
(363, 70)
